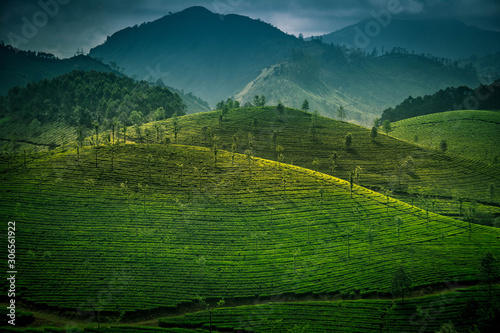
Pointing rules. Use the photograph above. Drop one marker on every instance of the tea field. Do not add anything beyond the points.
(144, 229)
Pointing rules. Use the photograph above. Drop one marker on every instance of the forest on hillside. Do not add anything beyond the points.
(484, 97)
(82, 98)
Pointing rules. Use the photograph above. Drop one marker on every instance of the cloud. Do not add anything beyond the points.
(87, 23)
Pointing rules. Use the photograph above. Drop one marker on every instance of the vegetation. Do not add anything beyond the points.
(471, 134)
(177, 228)
(485, 97)
(420, 314)
(56, 112)
(390, 163)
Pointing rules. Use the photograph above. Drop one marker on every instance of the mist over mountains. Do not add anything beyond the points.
(220, 56)
(441, 38)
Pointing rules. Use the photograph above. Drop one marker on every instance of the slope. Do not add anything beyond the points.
(318, 143)
(218, 56)
(472, 134)
(134, 228)
(195, 48)
(18, 68)
(364, 87)
(56, 112)
(442, 38)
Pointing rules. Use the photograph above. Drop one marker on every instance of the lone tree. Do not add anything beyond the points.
(387, 127)
(374, 133)
(305, 105)
(401, 283)
(348, 141)
(281, 109)
(341, 113)
(443, 146)
(488, 270)
(369, 238)
(399, 223)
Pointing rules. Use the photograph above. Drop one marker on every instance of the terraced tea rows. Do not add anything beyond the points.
(383, 163)
(155, 227)
(472, 134)
(422, 314)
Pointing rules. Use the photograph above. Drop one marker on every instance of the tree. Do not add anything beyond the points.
(281, 109)
(488, 270)
(263, 100)
(369, 238)
(401, 283)
(399, 223)
(341, 113)
(175, 124)
(376, 123)
(136, 117)
(225, 111)
(351, 182)
(348, 234)
(374, 133)
(305, 105)
(443, 146)
(256, 100)
(315, 164)
(387, 127)
(348, 140)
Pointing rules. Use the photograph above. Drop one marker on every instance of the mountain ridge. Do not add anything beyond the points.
(442, 38)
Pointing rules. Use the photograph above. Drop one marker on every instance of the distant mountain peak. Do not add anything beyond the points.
(196, 10)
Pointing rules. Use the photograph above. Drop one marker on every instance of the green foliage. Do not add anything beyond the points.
(80, 98)
(387, 127)
(401, 283)
(305, 105)
(341, 113)
(443, 146)
(471, 133)
(445, 100)
(373, 132)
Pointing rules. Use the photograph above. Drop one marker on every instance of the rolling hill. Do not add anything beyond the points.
(442, 38)
(473, 134)
(196, 224)
(364, 87)
(385, 163)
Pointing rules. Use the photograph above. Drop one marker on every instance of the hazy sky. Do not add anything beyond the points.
(62, 26)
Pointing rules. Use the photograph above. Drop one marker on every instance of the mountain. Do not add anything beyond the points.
(217, 56)
(363, 85)
(442, 38)
(18, 68)
(211, 55)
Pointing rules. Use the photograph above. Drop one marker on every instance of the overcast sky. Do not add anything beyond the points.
(84, 24)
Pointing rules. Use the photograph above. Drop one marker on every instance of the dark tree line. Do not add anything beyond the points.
(83, 98)
(485, 97)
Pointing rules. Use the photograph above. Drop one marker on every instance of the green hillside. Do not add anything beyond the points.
(472, 134)
(136, 228)
(68, 108)
(462, 307)
(385, 163)
(364, 87)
